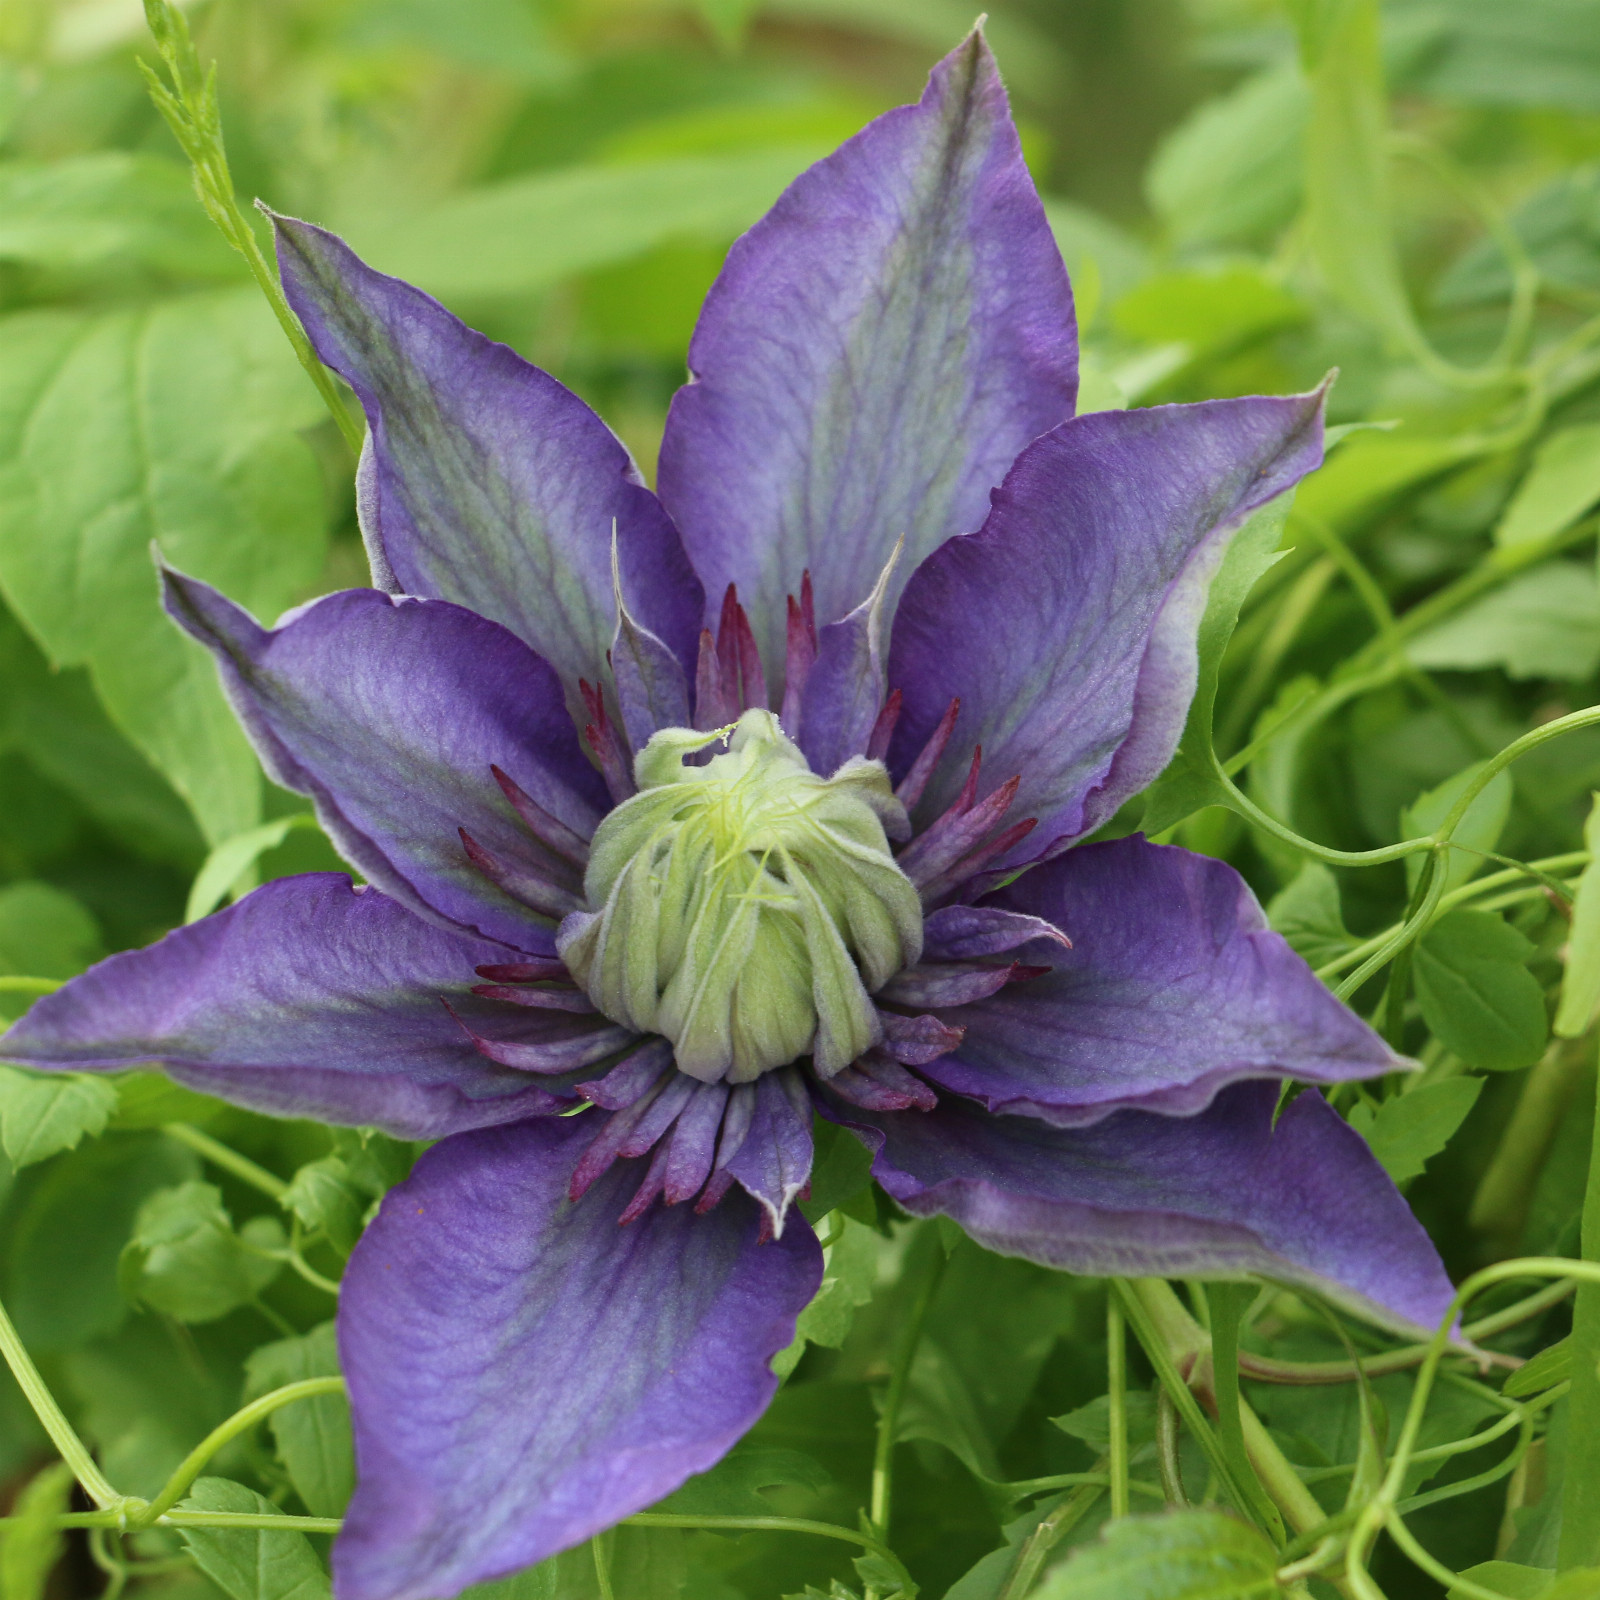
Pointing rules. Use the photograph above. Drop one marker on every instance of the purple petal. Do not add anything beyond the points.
(390, 714)
(486, 482)
(524, 1372)
(1138, 1195)
(773, 1159)
(1067, 625)
(309, 998)
(876, 352)
(845, 685)
(961, 933)
(1174, 987)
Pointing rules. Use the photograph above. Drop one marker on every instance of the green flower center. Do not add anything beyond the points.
(746, 909)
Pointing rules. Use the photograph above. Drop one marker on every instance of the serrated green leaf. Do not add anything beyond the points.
(324, 1197)
(1476, 992)
(1308, 914)
(81, 1209)
(185, 1258)
(1580, 983)
(42, 1113)
(31, 1544)
(847, 1283)
(312, 1436)
(374, 1162)
(1479, 829)
(1092, 1423)
(1185, 1555)
(179, 423)
(1542, 624)
(252, 1563)
(1408, 1130)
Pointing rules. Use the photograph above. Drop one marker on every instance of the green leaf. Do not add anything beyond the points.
(1541, 624)
(31, 1544)
(733, 1487)
(177, 423)
(1231, 170)
(727, 19)
(1533, 53)
(1373, 469)
(232, 860)
(312, 1436)
(1479, 829)
(1308, 914)
(1408, 1130)
(1580, 983)
(111, 206)
(80, 1209)
(1190, 783)
(1559, 228)
(1563, 483)
(374, 1161)
(841, 1170)
(1348, 223)
(324, 1197)
(252, 1563)
(1207, 311)
(1476, 992)
(1580, 1492)
(1185, 1555)
(151, 1100)
(1551, 1366)
(1092, 1423)
(847, 1283)
(45, 932)
(185, 1259)
(1511, 1579)
(43, 1113)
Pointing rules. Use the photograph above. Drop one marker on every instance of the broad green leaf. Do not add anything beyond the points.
(185, 1259)
(1231, 169)
(1207, 311)
(1532, 53)
(1580, 983)
(111, 206)
(1348, 221)
(151, 1100)
(504, 36)
(31, 1544)
(80, 1209)
(847, 1283)
(252, 1563)
(1476, 991)
(1185, 1555)
(1374, 469)
(1479, 829)
(312, 1436)
(375, 1162)
(45, 932)
(233, 859)
(1408, 1130)
(733, 1487)
(1189, 783)
(324, 1197)
(1560, 229)
(43, 1113)
(1562, 483)
(1541, 624)
(1551, 1366)
(524, 234)
(1308, 914)
(176, 423)
(1509, 1578)
(1092, 1423)
(842, 1169)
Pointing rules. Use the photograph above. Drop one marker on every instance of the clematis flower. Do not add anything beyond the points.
(760, 796)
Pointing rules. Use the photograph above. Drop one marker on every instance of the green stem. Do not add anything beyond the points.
(14, 983)
(219, 1155)
(899, 1376)
(62, 1434)
(1054, 1527)
(241, 1421)
(1117, 1393)
(1580, 1497)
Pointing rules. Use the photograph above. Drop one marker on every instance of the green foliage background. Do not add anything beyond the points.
(1247, 194)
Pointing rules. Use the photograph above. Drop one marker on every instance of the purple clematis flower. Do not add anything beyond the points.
(951, 628)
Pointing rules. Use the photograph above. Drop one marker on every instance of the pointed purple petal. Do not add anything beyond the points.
(1174, 987)
(390, 714)
(524, 1372)
(876, 352)
(773, 1160)
(1138, 1195)
(487, 482)
(1067, 625)
(960, 933)
(308, 998)
(845, 685)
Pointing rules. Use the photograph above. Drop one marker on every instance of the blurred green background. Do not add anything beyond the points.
(1247, 192)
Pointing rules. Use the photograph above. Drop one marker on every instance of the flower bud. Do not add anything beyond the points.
(746, 908)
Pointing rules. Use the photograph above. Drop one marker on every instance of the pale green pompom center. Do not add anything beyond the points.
(747, 908)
